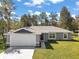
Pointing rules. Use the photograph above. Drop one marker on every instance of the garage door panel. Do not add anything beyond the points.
(23, 40)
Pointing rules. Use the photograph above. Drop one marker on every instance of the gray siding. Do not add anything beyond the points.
(70, 36)
(59, 36)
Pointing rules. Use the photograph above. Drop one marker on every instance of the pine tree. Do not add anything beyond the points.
(24, 21)
(65, 19)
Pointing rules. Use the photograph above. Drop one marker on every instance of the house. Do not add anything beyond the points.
(32, 36)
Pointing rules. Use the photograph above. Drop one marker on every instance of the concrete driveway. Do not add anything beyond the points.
(18, 54)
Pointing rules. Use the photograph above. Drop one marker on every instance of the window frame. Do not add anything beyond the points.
(52, 36)
(64, 36)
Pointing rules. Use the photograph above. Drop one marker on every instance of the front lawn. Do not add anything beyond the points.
(58, 50)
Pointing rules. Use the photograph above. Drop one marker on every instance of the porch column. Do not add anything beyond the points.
(45, 37)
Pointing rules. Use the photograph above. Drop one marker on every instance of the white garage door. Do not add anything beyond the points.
(20, 39)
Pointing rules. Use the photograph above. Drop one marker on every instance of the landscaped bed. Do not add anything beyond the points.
(58, 50)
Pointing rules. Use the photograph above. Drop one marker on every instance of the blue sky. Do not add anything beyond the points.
(48, 6)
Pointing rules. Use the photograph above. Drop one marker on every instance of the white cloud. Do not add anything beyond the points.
(76, 9)
(48, 4)
(77, 6)
(26, 3)
(58, 14)
(77, 3)
(37, 13)
(18, 18)
(30, 11)
(73, 15)
(19, 0)
(39, 2)
(39, 6)
(11, 17)
(34, 2)
(13, 13)
(47, 13)
(56, 1)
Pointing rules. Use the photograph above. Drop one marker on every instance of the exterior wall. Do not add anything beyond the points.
(37, 39)
(30, 39)
(20, 39)
(70, 36)
(59, 36)
(7, 39)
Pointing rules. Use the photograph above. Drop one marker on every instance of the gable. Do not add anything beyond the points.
(22, 31)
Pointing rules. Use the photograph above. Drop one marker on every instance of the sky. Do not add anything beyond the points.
(48, 6)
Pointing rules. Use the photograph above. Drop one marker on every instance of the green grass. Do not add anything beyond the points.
(1, 50)
(76, 38)
(1, 44)
(58, 50)
(1, 47)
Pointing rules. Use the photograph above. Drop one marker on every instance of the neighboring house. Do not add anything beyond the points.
(32, 36)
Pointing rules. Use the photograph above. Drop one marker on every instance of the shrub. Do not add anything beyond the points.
(74, 34)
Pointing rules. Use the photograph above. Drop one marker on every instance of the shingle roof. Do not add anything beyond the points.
(44, 29)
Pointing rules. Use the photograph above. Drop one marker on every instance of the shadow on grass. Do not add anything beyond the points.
(48, 44)
(70, 40)
(52, 41)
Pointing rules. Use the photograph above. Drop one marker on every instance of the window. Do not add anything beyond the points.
(51, 35)
(65, 35)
